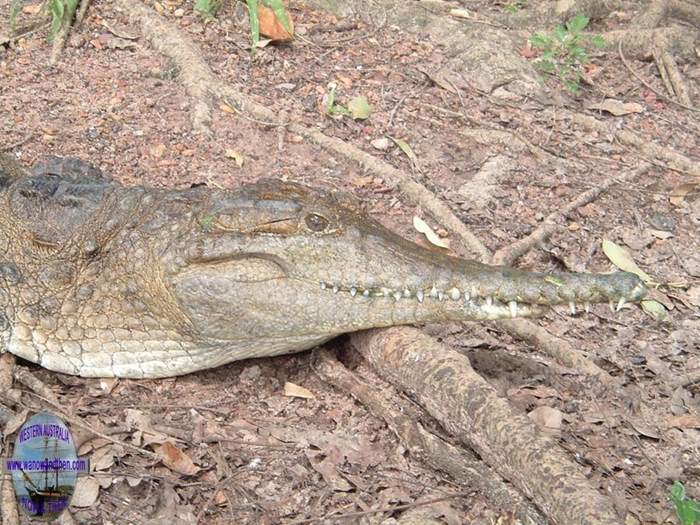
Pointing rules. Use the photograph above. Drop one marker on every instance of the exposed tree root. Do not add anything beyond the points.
(467, 406)
(8, 394)
(654, 15)
(639, 42)
(8, 502)
(9, 514)
(674, 80)
(669, 74)
(675, 159)
(460, 464)
(509, 254)
(555, 347)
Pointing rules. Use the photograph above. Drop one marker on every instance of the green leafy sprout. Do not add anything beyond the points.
(358, 107)
(687, 510)
(565, 51)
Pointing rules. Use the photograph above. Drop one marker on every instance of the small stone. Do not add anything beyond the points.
(179, 13)
(76, 41)
(382, 144)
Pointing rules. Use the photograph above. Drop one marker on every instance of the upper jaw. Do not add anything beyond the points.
(496, 293)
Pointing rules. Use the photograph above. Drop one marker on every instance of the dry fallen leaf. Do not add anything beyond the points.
(460, 13)
(226, 108)
(617, 108)
(86, 491)
(175, 459)
(292, 390)
(684, 421)
(679, 193)
(31, 9)
(271, 27)
(623, 260)
(422, 227)
(547, 418)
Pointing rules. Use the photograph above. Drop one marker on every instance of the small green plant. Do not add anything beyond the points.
(687, 510)
(62, 12)
(565, 51)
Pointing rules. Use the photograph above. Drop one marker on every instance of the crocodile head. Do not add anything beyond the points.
(281, 262)
(97, 279)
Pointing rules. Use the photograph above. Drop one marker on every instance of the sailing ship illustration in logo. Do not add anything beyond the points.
(45, 466)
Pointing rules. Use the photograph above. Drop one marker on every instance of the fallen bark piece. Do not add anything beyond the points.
(445, 384)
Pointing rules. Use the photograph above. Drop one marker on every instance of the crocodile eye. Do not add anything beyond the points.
(316, 222)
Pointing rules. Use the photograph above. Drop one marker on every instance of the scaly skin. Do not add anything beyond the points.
(97, 279)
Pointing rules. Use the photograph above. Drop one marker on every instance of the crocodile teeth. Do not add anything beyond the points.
(612, 306)
(433, 292)
(466, 295)
(441, 296)
(454, 294)
(365, 293)
(397, 295)
(335, 288)
(620, 304)
(419, 296)
(572, 307)
(323, 286)
(353, 291)
(407, 293)
(489, 301)
(513, 305)
(587, 307)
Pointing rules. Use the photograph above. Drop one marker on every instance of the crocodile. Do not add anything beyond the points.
(98, 279)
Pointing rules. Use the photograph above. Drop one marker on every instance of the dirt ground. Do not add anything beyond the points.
(262, 457)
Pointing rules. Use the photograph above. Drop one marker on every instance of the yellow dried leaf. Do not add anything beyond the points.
(422, 227)
(623, 260)
(292, 390)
